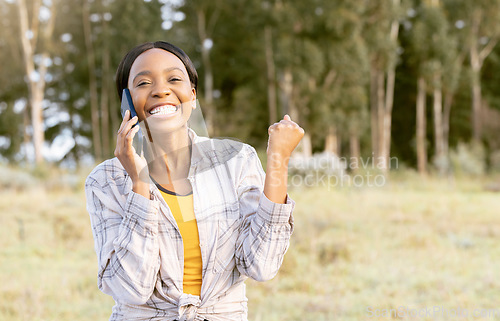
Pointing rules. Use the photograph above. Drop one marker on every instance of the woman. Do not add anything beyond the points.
(179, 230)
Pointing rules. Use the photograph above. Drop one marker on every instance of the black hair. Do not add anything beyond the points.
(123, 71)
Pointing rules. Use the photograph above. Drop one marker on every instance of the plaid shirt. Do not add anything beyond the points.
(139, 247)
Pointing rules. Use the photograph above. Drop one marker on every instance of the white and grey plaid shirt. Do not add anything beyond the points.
(139, 247)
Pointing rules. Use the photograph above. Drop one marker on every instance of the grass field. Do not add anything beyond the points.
(411, 244)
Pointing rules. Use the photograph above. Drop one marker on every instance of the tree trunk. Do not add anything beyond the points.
(26, 123)
(421, 127)
(114, 115)
(105, 88)
(389, 97)
(389, 103)
(354, 150)
(448, 101)
(476, 101)
(288, 103)
(208, 75)
(380, 158)
(306, 145)
(37, 122)
(475, 63)
(332, 141)
(75, 151)
(94, 106)
(438, 121)
(36, 77)
(477, 56)
(440, 157)
(271, 76)
(374, 109)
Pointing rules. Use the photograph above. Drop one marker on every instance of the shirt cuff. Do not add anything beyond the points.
(276, 213)
(142, 207)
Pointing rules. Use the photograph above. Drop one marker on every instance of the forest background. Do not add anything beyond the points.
(405, 92)
(414, 80)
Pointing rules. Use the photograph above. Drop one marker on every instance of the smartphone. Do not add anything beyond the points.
(127, 104)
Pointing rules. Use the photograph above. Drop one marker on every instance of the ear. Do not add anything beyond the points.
(193, 91)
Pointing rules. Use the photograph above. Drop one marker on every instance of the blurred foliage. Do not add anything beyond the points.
(327, 46)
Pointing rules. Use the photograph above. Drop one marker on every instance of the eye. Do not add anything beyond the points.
(175, 79)
(142, 83)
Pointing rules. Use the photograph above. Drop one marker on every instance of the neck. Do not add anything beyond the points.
(172, 157)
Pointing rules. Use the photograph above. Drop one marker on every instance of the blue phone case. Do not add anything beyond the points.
(127, 104)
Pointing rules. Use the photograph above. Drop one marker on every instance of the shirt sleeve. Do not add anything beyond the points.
(125, 229)
(266, 228)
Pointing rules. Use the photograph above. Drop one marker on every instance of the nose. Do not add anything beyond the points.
(161, 90)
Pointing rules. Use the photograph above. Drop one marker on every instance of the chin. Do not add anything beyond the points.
(162, 126)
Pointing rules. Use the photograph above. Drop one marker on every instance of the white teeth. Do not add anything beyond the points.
(163, 110)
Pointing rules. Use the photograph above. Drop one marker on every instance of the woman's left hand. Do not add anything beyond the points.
(284, 136)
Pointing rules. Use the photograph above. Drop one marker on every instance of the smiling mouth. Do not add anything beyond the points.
(164, 110)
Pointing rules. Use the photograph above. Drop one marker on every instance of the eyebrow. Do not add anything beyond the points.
(147, 72)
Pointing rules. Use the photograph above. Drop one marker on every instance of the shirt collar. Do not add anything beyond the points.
(198, 149)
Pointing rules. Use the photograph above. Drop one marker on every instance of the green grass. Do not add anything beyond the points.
(414, 243)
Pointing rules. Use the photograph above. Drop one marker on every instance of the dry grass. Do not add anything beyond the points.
(413, 243)
(48, 269)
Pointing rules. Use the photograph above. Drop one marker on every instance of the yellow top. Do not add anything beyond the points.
(183, 211)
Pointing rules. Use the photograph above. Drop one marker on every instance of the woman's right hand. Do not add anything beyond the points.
(135, 165)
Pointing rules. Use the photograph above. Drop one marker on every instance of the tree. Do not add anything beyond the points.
(343, 84)
(90, 53)
(381, 32)
(107, 25)
(480, 33)
(12, 84)
(206, 15)
(442, 56)
(35, 40)
(435, 52)
(484, 34)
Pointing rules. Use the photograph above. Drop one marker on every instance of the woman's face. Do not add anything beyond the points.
(161, 90)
